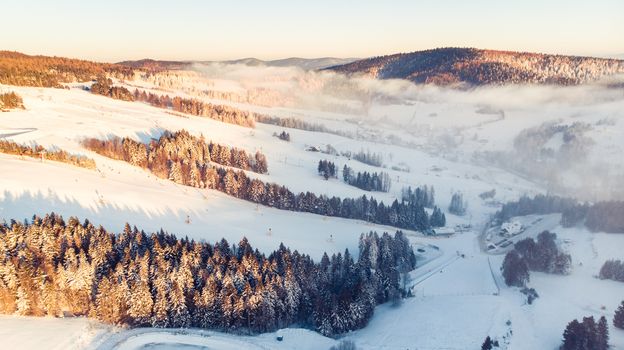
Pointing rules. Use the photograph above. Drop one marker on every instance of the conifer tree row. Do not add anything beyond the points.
(613, 270)
(223, 113)
(38, 151)
(184, 151)
(182, 158)
(295, 123)
(367, 181)
(599, 216)
(50, 266)
(424, 195)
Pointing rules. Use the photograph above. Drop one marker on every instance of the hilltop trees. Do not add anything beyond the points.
(453, 66)
(24, 70)
(51, 265)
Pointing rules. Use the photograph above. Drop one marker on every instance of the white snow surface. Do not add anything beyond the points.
(459, 297)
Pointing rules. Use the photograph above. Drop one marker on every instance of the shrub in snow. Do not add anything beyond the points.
(531, 294)
(344, 345)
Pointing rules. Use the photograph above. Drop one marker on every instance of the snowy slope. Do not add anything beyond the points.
(117, 192)
(459, 295)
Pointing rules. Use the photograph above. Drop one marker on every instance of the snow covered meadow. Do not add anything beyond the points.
(453, 140)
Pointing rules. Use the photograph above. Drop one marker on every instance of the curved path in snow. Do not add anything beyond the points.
(145, 338)
(196, 339)
(4, 133)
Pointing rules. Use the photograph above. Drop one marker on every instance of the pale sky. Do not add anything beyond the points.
(115, 30)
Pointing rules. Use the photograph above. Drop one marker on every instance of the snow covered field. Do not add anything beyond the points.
(117, 192)
(459, 297)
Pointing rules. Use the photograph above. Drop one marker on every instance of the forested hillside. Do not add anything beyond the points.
(50, 266)
(44, 71)
(445, 66)
(187, 160)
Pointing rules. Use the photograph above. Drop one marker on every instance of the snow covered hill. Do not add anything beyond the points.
(426, 135)
(450, 65)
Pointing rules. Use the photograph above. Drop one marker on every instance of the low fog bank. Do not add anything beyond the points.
(569, 139)
(326, 87)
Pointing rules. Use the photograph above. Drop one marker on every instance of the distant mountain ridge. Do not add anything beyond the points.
(448, 66)
(156, 65)
(303, 63)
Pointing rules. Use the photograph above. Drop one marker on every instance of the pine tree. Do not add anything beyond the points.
(573, 336)
(587, 335)
(487, 344)
(438, 219)
(618, 318)
(230, 183)
(179, 316)
(346, 173)
(175, 172)
(141, 303)
(50, 299)
(458, 205)
(260, 164)
(515, 270)
(23, 301)
(602, 334)
(160, 315)
(105, 302)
